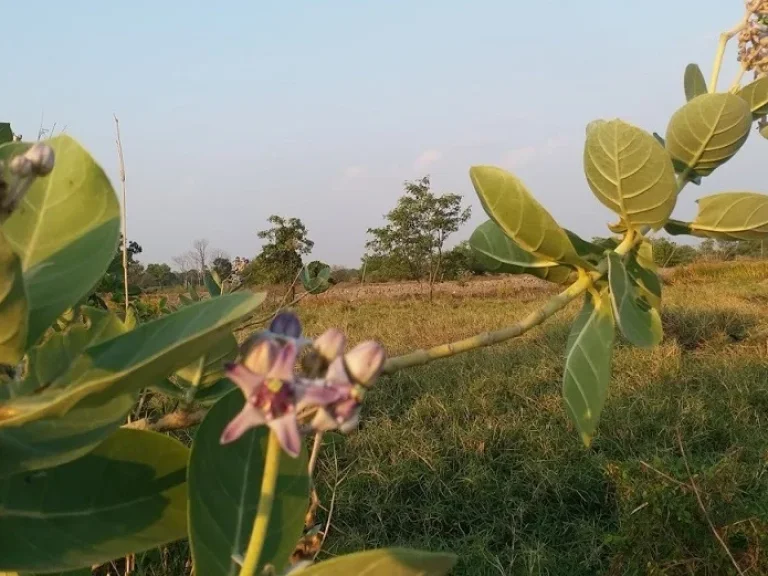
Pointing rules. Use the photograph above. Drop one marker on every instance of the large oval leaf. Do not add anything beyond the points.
(13, 306)
(708, 131)
(588, 364)
(316, 277)
(65, 232)
(498, 254)
(694, 82)
(489, 239)
(630, 173)
(133, 360)
(733, 215)
(128, 495)
(52, 441)
(756, 95)
(225, 484)
(639, 322)
(507, 201)
(209, 368)
(642, 269)
(385, 562)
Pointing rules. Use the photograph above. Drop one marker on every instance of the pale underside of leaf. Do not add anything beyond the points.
(733, 212)
(630, 173)
(508, 202)
(756, 95)
(385, 562)
(708, 131)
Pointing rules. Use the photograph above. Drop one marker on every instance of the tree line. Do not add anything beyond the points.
(410, 246)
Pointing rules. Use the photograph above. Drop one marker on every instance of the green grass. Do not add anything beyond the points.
(475, 454)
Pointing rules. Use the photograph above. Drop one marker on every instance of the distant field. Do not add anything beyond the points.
(475, 454)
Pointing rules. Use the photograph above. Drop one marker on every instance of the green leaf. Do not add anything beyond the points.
(630, 173)
(209, 368)
(507, 201)
(756, 95)
(316, 277)
(490, 240)
(681, 168)
(497, 253)
(13, 306)
(588, 364)
(185, 300)
(732, 215)
(637, 320)
(226, 482)
(65, 232)
(589, 250)
(128, 495)
(694, 82)
(52, 441)
(707, 131)
(6, 134)
(213, 287)
(193, 293)
(642, 269)
(385, 562)
(127, 363)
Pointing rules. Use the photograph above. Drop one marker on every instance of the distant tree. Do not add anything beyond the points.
(417, 229)
(280, 259)
(160, 275)
(459, 262)
(668, 254)
(112, 280)
(344, 274)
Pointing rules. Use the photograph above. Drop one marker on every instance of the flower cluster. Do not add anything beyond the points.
(37, 160)
(753, 39)
(333, 387)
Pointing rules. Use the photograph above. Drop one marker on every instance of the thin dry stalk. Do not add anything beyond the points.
(704, 509)
(125, 219)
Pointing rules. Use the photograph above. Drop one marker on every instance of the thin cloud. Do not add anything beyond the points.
(351, 172)
(518, 158)
(426, 159)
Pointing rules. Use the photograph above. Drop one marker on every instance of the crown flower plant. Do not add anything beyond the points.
(71, 375)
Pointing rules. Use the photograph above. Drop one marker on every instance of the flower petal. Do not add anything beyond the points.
(282, 368)
(351, 423)
(330, 344)
(287, 431)
(337, 373)
(324, 421)
(286, 324)
(244, 379)
(249, 417)
(261, 356)
(318, 394)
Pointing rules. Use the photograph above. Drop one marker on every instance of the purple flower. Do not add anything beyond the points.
(286, 324)
(272, 394)
(343, 413)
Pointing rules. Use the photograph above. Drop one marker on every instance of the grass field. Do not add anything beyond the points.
(474, 454)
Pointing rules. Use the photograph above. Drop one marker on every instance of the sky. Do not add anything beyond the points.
(233, 111)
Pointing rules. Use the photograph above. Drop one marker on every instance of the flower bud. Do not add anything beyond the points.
(330, 344)
(21, 166)
(42, 158)
(261, 356)
(365, 361)
(286, 324)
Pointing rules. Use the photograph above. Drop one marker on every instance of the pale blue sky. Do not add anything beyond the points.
(233, 111)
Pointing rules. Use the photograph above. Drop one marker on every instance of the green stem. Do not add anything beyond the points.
(721, 44)
(266, 499)
(554, 305)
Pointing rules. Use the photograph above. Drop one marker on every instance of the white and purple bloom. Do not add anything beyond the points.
(274, 394)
